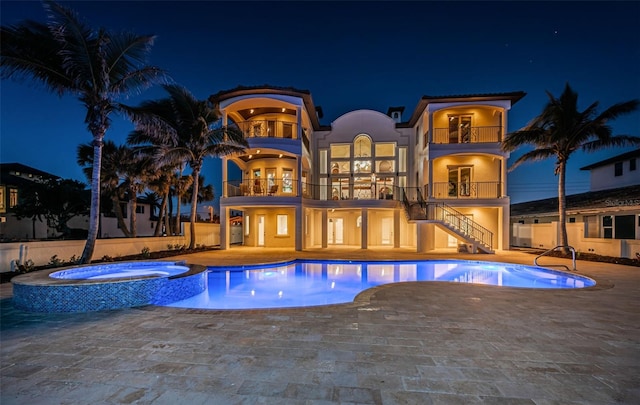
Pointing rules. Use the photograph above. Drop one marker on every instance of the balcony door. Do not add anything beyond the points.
(459, 129)
(460, 182)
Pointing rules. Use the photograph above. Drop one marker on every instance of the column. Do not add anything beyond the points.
(324, 227)
(396, 228)
(225, 186)
(364, 228)
(224, 228)
(299, 228)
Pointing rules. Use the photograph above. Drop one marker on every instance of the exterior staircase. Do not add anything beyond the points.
(449, 220)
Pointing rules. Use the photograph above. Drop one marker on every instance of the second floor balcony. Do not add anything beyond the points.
(485, 134)
(356, 191)
(465, 190)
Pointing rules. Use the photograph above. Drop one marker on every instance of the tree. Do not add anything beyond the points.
(57, 200)
(186, 129)
(69, 57)
(562, 129)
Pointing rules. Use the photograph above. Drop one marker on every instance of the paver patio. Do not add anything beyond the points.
(408, 343)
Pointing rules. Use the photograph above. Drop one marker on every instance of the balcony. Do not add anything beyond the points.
(289, 188)
(467, 190)
(262, 188)
(269, 129)
(490, 134)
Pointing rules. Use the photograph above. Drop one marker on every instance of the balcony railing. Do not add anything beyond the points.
(358, 191)
(262, 187)
(486, 189)
(269, 129)
(468, 135)
(289, 188)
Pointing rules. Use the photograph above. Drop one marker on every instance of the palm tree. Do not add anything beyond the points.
(205, 192)
(562, 129)
(70, 57)
(112, 174)
(186, 128)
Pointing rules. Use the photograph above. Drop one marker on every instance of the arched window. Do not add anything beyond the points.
(362, 146)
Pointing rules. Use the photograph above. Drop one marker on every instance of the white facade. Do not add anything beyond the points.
(435, 181)
(619, 171)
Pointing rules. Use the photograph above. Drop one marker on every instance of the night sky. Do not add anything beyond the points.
(353, 55)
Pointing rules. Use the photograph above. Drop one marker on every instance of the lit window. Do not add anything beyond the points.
(246, 225)
(13, 197)
(282, 225)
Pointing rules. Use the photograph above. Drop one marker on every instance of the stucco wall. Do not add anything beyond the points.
(41, 252)
(546, 236)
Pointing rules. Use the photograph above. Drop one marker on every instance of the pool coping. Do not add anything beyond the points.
(42, 277)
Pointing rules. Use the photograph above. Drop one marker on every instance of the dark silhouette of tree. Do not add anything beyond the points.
(186, 129)
(68, 56)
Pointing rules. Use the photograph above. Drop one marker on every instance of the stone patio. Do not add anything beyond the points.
(408, 343)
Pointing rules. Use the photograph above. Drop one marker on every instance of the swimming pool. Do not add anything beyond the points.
(301, 283)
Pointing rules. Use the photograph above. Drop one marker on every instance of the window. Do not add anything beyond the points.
(402, 160)
(618, 169)
(287, 181)
(13, 197)
(625, 227)
(340, 151)
(282, 225)
(385, 149)
(139, 209)
(607, 227)
(362, 146)
(2, 202)
(271, 177)
(632, 165)
(572, 220)
(287, 130)
(591, 226)
(323, 161)
(246, 225)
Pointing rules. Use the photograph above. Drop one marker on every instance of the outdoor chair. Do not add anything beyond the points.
(273, 190)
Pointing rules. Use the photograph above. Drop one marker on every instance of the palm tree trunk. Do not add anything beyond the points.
(161, 215)
(134, 218)
(94, 212)
(194, 203)
(562, 206)
(119, 217)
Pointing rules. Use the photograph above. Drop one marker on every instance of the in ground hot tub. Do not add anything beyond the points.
(121, 270)
(107, 286)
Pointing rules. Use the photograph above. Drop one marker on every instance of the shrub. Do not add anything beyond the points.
(146, 252)
(55, 261)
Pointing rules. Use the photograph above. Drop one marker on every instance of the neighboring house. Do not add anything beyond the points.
(14, 177)
(605, 220)
(436, 180)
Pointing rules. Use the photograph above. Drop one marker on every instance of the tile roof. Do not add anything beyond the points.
(628, 196)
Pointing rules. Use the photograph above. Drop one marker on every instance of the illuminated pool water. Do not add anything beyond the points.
(121, 270)
(309, 283)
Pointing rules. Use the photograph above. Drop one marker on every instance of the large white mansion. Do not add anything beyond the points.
(435, 180)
